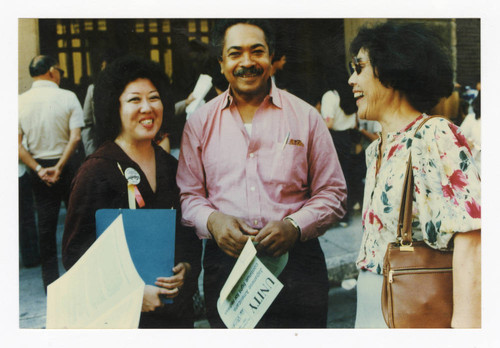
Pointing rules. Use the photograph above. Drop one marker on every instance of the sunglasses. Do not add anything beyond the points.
(357, 65)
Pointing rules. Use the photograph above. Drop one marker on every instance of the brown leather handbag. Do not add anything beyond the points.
(418, 282)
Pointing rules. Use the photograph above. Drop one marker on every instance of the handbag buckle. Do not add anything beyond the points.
(406, 247)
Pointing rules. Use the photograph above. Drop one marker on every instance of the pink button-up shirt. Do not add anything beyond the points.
(288, 166)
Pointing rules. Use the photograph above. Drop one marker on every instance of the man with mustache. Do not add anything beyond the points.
(257, 161)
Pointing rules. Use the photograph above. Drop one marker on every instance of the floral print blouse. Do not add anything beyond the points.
(447, 191)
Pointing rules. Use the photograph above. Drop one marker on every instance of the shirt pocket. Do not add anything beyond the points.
(289, 166)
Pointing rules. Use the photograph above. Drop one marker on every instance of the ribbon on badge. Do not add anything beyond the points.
(138, 197)
(131, 196)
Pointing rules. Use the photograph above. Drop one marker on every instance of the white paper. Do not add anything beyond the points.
(200, 91)
(246, 257)
(102, 290)
(248, 292)
(274, 264)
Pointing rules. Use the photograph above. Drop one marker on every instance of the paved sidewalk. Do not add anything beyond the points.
(340, 245)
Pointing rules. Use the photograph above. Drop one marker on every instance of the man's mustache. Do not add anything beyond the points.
(252, 71)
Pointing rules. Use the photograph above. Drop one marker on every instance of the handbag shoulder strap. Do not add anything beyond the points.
(404, 232)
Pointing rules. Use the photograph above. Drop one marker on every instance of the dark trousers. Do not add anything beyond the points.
(48, 202)
(303, 301)
(358, 175)
(28, 239)
(344, 147)
(162, 319)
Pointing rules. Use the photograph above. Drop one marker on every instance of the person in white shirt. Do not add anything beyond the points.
(50, 120)
(338, 109)
(471, 128)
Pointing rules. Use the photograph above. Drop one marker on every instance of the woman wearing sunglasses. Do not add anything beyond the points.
(401, 72)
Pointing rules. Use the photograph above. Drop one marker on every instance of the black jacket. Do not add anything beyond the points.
(100, 184)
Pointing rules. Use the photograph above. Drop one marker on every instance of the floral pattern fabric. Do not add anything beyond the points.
(447, 191)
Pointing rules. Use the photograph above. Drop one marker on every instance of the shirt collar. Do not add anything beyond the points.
(409, 127)
(44, 83)
(273, 96)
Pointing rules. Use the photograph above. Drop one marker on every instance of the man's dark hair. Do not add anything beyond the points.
(41, 64)
(409, 58)
(111, 83)
(221, 25)
(279, 52)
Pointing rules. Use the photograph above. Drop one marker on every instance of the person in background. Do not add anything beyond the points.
(338, 109)
(401, 72)
(162, 137)
(50, 119)
(220, 83)
(197, 59)
(258, 161)
(367, 132)
(277, 66)
(471, 128)
(28, 234)
(89, 136)
(131, 97)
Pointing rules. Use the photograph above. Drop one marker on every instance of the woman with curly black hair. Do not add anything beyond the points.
(131, 99)
(400, 72)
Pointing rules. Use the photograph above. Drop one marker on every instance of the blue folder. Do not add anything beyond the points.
(150, 235)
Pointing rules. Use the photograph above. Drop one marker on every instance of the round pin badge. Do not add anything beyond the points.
(132, 176)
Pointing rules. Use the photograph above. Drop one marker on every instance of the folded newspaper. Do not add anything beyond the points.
(250, 289)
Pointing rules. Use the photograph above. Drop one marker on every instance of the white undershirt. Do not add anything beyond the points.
(248, 127)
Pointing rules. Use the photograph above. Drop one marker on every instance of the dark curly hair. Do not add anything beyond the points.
(409, 58)
(221, 25)
(111, 83)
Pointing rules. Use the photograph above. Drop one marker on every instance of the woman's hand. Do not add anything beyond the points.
(467, 280)
(170, 286)
(151, 298)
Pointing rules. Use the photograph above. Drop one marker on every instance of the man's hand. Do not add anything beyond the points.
(190, 99)
(42, 174)
(47, 176)
(276, 238)
(51, 175)
(229, 232)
